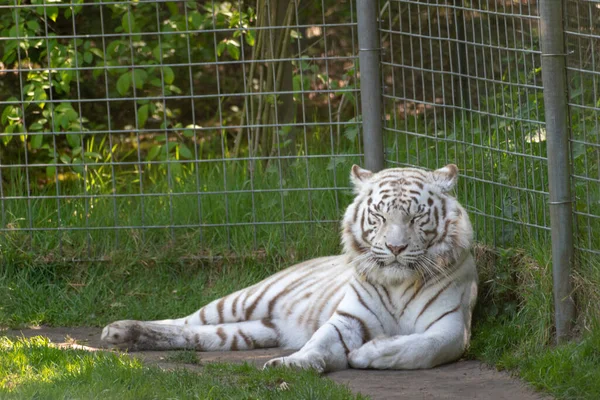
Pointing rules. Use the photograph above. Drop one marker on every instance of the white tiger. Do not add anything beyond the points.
(400, 296)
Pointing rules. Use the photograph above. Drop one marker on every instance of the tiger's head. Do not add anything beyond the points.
(404, 224)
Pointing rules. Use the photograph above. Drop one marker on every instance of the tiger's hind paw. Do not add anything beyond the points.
(315, 363)
(121, 334)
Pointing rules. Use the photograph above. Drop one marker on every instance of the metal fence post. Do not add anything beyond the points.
(559, 179)
(370, 82)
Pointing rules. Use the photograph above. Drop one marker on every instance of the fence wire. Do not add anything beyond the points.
(582, 34)
(220, 124)
(463, 85)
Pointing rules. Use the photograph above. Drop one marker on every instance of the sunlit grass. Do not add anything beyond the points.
(34, 368)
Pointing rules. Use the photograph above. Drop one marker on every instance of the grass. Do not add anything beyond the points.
(513, 324)
(190, 210)
(66, 295)
(183, 356)
(34, 368)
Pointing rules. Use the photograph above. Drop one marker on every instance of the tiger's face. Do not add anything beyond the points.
(403, 223)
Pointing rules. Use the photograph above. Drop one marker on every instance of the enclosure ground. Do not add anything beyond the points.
(466, 379)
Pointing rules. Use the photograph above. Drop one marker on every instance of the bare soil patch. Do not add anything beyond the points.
(466, 379)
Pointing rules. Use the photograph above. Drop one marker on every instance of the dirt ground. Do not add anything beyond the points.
(465, 379)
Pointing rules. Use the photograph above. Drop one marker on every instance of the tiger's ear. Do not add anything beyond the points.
(359, 176)
(445, 178)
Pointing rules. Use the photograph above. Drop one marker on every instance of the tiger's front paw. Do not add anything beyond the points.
(363, 357)
(301, 362)
(122, 334)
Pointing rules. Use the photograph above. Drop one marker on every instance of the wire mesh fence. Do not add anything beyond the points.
(233, 124)
(463, 85)
(220, 124)
(582, 38)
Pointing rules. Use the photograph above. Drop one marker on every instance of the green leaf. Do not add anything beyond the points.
(351, 130)
(36, 126)
(221, 48)
(50, 170)
(113, 47)
(173, 9)
(196, 19)
(185, 152)
(156, 82)
(7, 111)
(36, 141)
(153, 152)
(124, 83)
(65, 158)
(174, 89)
(73, 140)
(7, 138)
(233, 50)
(88, 57)
(128, 22)
(62, 121)
(52, 13)
(157, 53)
(40, 94)
(33, 25)
(71, 115)
(142, 116)
(250, 37)
(77, 165)
(169, 75)
(97, 52)
(139, 76)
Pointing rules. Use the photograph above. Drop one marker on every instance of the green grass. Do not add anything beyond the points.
(513, 324)
(178, 214)
(569, 371)
(95, 294)
(183, 356)
(33, 368)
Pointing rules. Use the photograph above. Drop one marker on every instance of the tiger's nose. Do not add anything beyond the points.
(396, 249)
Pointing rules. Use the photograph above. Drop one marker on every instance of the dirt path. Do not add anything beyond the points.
(461, 380)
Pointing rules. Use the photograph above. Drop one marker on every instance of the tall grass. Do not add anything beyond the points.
(206, 208)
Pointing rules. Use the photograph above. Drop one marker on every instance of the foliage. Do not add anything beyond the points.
(125, 52)
(138, 82)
